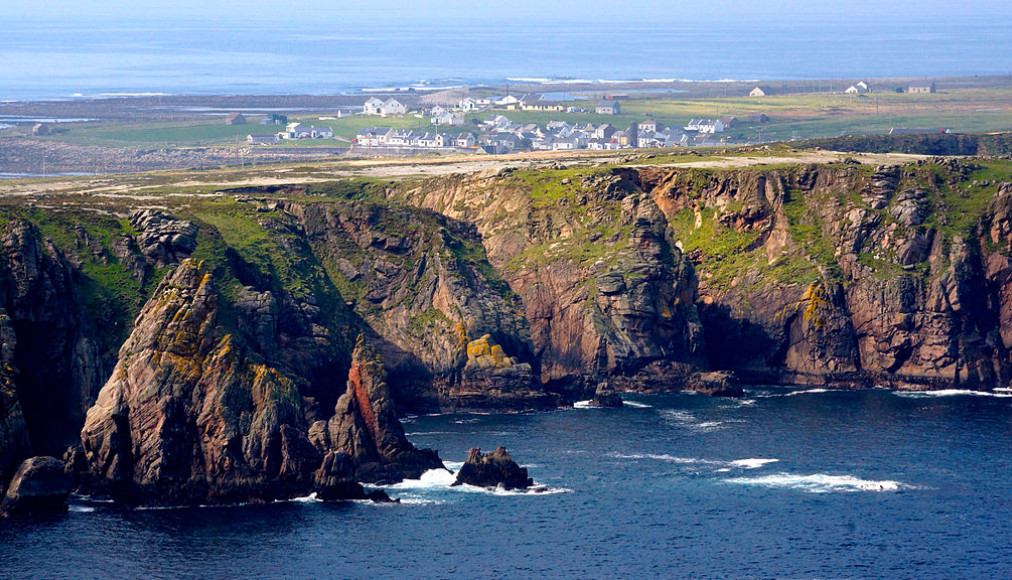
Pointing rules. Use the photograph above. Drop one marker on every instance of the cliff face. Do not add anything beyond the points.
(196, 413)
(845, 274)
(422, 288)
(47, 338)
(190, 414)
(604, 288)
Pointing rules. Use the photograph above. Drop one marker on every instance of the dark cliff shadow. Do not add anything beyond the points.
(735, 343)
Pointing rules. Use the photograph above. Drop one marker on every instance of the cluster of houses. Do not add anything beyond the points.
(454, 115)
(499, 135)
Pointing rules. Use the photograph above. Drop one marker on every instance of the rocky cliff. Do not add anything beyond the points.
(422, 288)
(848, 274)
(590, 254)
(196, 412)
(224, 330)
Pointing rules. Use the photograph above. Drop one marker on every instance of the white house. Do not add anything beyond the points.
(507, 100)
(373, 136)
(706, 126)
(262, 139)
(392, 107)
(757, 92)
(468, 104)
(857, 88)
(372, 106)
(464, 141)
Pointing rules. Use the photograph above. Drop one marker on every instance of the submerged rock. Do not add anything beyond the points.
(38, 488)
(492, 469)
(716, 384)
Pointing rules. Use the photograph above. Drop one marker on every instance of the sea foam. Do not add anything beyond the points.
(820, 483)
(951, 393)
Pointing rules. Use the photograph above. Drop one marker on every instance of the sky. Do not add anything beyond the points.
(333, 12)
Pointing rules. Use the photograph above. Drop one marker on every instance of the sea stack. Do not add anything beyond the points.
(494, 469)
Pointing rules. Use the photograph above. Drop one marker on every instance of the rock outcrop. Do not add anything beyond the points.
(365, 426)
(335, 480)
(38, 488)
(493, 469)
(56, 351)
(605, 396)
(164, 239)
(191, 414)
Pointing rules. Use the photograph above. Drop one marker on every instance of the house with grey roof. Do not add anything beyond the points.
(922, 87)
(608, 107)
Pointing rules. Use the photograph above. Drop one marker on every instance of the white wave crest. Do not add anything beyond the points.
(584, 405)
(821, 483)
(811, 392)
(752, 463)
(952, 393)
(80, 509)
(636, 405)
(721, 466)
(431, 479)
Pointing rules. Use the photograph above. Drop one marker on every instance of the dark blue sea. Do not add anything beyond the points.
(70, 58)
(785, 483)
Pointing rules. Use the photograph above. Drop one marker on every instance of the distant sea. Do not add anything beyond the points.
(62, 60)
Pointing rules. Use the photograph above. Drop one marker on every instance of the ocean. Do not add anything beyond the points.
(69, 59)
(785, 483)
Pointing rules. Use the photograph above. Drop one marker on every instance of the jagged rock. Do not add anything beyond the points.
(162, 238)
(366, 428)
(38, 488)
(716, 384)
(335, 480)
(190, 415)
(911, 207)
(604, 396)
(492, 469)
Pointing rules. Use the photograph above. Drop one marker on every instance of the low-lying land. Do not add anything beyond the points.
(151, 133)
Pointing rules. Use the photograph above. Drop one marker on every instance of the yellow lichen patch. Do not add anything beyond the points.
(665, 311)
(477, 348)
(814, 306)
(486, 353)
(461, 332)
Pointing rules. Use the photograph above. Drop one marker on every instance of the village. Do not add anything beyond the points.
(481, 124)
(497, 134)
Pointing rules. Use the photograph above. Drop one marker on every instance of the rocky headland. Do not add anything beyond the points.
(261, 343)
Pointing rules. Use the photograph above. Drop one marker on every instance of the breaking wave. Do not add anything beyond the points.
(1001, 394)
(821, 483)
(718, 465)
